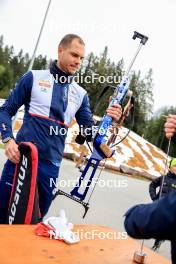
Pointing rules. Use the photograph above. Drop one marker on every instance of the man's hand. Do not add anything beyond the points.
(170, 126)
(115, 112)
(11, 151)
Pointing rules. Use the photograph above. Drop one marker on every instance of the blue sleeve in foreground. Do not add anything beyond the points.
(154, 220)
(19, 96)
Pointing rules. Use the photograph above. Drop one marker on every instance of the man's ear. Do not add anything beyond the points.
(60, 49)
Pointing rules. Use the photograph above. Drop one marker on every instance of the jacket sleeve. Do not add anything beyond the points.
(155, 220)
(153, 186)
(19, 96)
(84, 115)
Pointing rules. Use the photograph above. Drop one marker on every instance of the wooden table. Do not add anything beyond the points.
(20, 245)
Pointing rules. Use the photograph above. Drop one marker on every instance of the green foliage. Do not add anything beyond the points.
(143, 94)
(155, 130)
(12, 67)
(40, 63)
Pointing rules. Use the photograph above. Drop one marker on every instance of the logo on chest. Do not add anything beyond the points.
(44, 86)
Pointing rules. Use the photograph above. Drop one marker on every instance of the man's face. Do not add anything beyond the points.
(70, 57)
(173, 169)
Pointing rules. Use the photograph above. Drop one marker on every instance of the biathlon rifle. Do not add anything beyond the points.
(102, 150)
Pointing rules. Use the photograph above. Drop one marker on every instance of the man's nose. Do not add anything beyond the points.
(78, 61)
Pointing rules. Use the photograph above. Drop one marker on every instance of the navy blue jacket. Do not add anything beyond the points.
(169, 185)
(50, 105)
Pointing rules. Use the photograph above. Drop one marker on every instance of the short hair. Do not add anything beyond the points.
(67, 39)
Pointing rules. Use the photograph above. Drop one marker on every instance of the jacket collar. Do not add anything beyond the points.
(59, 75)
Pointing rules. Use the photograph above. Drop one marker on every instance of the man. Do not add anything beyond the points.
(168, 186)
(158, 219)
(169, 182)
(51, 99)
